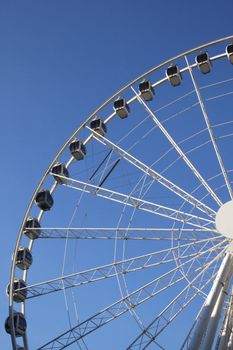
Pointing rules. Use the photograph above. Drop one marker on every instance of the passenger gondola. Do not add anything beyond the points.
(146, 90)
(229, 52)
(23, 258)
(121, 107)
(203, 62)
(30, 228)
(60, 169)
(19, 322)
(77, 149)
(44, 200)
(173, 74)
(98, 126)
(18, 295)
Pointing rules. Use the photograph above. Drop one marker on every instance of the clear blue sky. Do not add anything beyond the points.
(59, 60)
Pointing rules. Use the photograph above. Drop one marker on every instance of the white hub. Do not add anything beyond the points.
(224, 219)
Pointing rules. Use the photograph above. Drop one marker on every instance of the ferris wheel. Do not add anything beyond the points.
(126, 242)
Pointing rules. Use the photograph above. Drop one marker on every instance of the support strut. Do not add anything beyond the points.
(225, 337)
(209, 336)
(224, 274)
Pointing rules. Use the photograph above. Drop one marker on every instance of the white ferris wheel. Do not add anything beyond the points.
(126, 242)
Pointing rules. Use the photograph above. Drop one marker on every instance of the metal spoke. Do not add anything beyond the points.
(172, 310)
(207, 121)
(156, 176)
(116, 268)
(178, 149)
(123, 305)
(140, 204)
(128, 233)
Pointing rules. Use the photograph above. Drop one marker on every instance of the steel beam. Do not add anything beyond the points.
(204, 318)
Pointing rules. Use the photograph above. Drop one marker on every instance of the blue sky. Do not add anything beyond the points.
(59, 61)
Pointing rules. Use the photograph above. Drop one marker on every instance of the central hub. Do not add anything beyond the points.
(224, 219)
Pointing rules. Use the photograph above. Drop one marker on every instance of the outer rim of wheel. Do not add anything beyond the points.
(31, 202)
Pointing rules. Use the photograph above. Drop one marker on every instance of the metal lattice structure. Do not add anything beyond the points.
(127, 212)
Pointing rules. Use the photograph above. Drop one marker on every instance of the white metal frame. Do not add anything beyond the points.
(198, 223)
